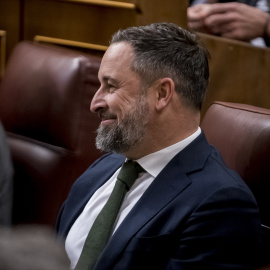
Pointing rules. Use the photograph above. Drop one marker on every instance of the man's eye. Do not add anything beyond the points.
(111, 88)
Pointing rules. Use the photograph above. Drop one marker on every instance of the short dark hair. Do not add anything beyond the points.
(167, 50)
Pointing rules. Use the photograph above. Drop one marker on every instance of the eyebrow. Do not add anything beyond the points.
(108, 78)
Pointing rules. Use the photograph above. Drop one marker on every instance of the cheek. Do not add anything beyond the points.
(121, 105)
(118, 108)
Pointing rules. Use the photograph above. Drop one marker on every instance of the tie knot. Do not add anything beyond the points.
(129, 173)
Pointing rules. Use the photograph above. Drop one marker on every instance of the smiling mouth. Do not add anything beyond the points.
(107, 118)
(107, 122)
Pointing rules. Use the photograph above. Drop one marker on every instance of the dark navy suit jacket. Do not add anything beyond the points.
(197, 213)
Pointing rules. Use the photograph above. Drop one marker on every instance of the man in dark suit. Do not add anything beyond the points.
(6, 180)
(187, 210)
(245, 20)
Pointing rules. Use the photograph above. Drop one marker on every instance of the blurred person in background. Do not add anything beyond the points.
(246, 20)
(31, 248)
(6, 180)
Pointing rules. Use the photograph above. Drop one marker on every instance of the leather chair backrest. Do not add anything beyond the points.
(242, 134)
(45, 96)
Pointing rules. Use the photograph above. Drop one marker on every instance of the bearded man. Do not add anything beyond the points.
(185, 209)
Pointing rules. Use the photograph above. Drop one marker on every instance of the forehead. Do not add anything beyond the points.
(116, 60)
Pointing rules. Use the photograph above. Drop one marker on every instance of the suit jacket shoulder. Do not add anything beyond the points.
(84, 187)
(196, 213)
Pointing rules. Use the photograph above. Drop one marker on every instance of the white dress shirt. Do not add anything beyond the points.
(153, 165)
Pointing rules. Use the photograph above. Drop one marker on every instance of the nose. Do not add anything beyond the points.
(98, 102)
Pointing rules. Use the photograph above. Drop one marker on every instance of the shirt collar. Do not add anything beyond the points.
(155, 162)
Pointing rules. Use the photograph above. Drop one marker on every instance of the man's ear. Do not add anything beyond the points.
(165, 91)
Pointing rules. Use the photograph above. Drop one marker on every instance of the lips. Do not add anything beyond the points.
(107, 118)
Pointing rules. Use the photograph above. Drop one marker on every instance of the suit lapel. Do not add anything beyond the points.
(89, 182)
(172, 181)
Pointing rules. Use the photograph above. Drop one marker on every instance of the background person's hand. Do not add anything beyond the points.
(231, 20)
(196, 16)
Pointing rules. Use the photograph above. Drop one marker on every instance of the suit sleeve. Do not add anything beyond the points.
(219, 233)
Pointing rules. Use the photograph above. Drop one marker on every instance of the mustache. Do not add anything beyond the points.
(107, 115)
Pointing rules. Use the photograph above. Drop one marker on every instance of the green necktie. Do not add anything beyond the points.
(101, 230)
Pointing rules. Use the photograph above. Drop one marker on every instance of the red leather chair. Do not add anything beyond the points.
(45, 96)
(242, 135)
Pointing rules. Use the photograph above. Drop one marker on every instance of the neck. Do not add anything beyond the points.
(163, 136)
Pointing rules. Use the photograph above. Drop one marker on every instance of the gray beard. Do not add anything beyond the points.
(121, 138)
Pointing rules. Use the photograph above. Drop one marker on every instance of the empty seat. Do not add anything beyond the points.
(45, 96)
